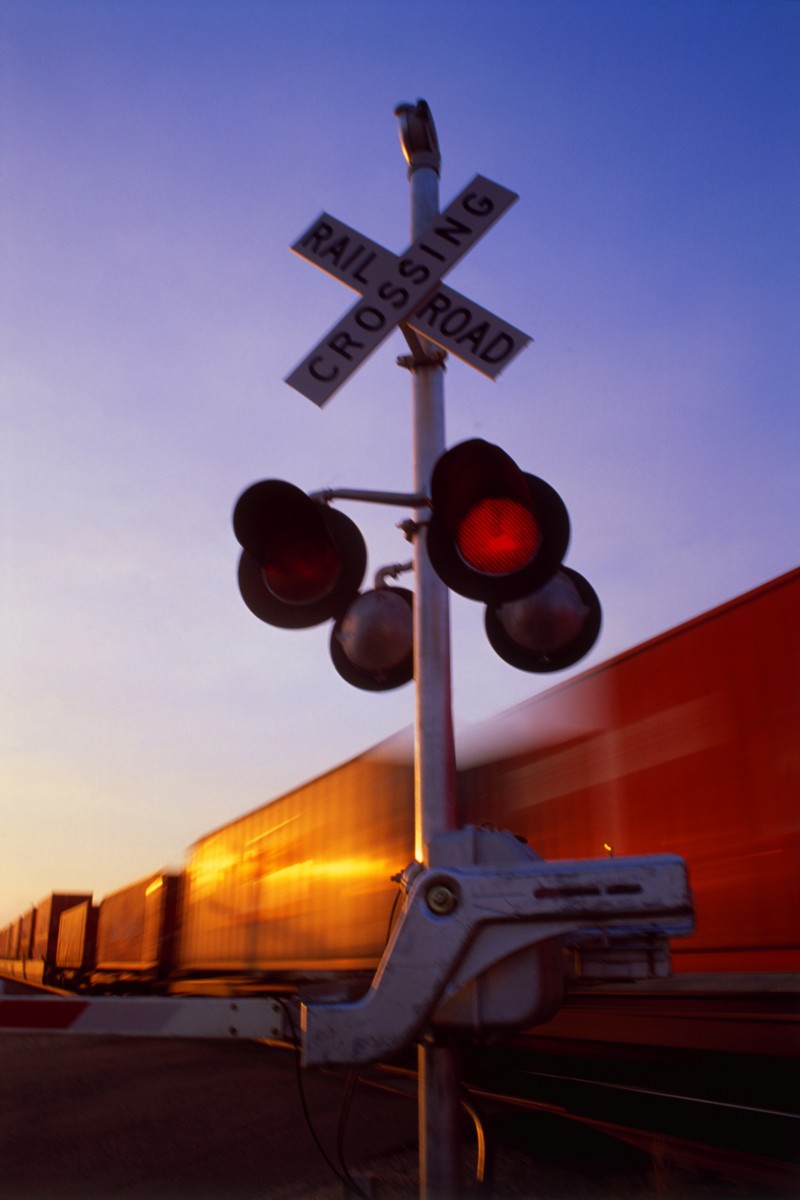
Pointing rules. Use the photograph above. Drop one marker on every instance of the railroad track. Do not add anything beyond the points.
(565, 1119)
(703, 1079)
(697, 1076)
(741, 1141)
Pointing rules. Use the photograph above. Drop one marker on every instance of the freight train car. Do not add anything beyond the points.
(689, 743)
(302, 884)
(8, 943)
(136, 934)
(27, 924)
(45, 938)
(76, 948)
(29, 945)
(686, 744)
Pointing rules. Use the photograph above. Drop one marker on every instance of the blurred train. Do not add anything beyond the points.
(689, 743)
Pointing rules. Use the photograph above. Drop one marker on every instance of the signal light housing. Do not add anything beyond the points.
(551, 628)
(303, 562)
(496, 533)
(372, 644)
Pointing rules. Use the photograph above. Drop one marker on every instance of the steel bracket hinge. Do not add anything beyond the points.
(485, 899)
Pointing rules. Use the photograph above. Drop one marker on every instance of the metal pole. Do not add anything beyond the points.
(434, 753)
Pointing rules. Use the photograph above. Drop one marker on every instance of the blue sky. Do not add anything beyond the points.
(160, 157)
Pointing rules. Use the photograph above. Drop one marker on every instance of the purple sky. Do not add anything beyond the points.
(159, 159)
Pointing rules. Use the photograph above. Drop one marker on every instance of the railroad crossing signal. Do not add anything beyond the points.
(550, 629)
(476, 900)
(372, 644)
(302, 564)
(499, 535)
(302, 561)
(496, 532)
(406, 288)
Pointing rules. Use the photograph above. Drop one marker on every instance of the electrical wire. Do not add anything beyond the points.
(484, 1162)
(353, 1077)
(397, 896)
(341, 1172)
(343, 1176)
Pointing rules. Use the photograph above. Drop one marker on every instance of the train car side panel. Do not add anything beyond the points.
(20, 946)
(688, 744)
(135, 930)
(45, 939)
(305, 882)
(76, 947)
(27, 928)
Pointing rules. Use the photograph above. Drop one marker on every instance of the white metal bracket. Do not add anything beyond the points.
(485, 900)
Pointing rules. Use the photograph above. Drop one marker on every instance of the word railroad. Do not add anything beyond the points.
(406, 288)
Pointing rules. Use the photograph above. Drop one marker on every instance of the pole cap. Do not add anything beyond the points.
(418, 136)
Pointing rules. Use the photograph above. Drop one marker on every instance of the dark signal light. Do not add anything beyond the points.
(495, 532)
(550, 629)
(303, 569)
(372, 644)
(303, 562)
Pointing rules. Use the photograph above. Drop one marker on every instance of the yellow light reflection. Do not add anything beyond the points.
(211, 868)
(340, 868)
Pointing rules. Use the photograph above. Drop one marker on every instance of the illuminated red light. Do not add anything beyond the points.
(498, 535)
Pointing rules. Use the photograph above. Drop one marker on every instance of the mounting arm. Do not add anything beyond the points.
(488, 904)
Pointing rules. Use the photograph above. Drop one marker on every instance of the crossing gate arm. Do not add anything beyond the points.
(259, 1019)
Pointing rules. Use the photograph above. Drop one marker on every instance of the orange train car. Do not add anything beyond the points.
(76, 947)
(688, 743)
(27, 948)
(136, 931)
(303, 883)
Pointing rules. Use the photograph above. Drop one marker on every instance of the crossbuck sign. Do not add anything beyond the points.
(406, 288)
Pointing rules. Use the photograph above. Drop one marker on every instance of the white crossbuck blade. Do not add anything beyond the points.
(406, 288)
(458, 325)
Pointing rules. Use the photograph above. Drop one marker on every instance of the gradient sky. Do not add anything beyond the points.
(159, 157)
